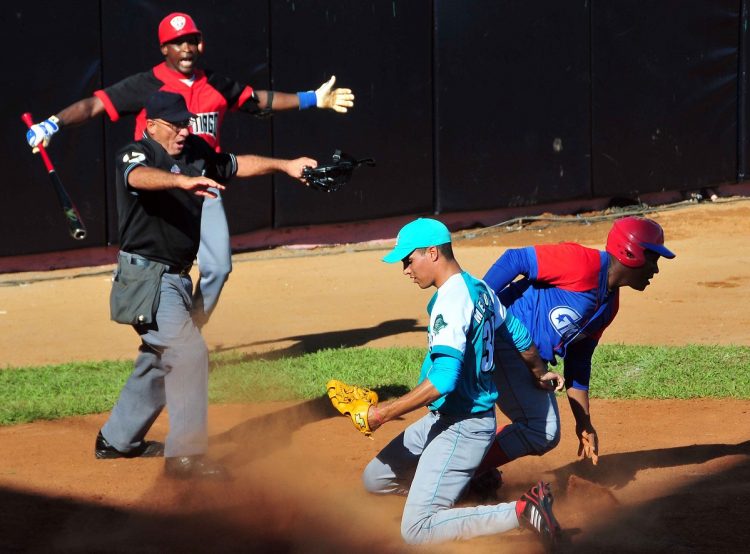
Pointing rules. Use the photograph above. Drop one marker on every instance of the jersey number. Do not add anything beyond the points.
(488, 345)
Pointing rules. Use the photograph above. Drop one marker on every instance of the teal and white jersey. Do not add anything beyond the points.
(464, 314)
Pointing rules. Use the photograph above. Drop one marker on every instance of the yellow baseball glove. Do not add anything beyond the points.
(353, 401)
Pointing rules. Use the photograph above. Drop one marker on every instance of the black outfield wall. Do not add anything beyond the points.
(469, 105)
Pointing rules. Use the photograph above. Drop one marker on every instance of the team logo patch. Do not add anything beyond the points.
(565, 320)
(175, 169)
(134, 157)
(177, 23)
(439, 324)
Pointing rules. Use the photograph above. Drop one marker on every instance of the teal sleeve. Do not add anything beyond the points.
(517, 332)
(444, 373)
(425, 369)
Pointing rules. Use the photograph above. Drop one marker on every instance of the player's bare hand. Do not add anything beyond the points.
(373, 418)
(294, 168)
(588, 444)
(201, 186)
(551, 381)
(339, 100)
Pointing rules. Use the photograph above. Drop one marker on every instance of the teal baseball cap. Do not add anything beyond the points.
(420, 233)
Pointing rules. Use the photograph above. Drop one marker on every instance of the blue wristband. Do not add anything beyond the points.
(307, 99)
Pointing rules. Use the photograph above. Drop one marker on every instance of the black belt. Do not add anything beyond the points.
(173, 269)
(182, 271)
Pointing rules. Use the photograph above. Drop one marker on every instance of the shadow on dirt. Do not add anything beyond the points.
(346, 338)
(704, 515)
(616, 470)
(707, 515)
(243, 522)
(33, 523)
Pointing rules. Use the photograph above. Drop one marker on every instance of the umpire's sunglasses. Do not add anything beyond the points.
(176, 126)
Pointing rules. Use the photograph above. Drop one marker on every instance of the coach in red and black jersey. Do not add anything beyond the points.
(209, 96)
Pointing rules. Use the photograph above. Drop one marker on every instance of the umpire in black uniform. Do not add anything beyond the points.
(161, 182)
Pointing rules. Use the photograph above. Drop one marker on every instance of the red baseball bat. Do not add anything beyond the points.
(75, 223)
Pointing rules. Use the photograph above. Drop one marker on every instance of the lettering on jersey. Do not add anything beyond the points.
(206, 124)
(481, 307)
(440, 324)
(565, 321)
(134, 158)
(175, 169)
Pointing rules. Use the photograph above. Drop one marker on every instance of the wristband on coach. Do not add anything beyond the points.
(307, 99)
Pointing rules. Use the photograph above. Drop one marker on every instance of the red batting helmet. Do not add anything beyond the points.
(630, 237)
(176, 25)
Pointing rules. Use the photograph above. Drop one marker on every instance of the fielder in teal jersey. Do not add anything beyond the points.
(433, 460)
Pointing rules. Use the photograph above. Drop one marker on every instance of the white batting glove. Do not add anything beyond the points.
(42, 132)
(339, 99)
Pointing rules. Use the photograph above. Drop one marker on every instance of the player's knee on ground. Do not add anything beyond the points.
(378, 478)
(373, 478)
(415, 530)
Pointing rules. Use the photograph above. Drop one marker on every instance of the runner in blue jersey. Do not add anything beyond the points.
(566, 298)
(433, 460)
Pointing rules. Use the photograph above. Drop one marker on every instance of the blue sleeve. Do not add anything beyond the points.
(444, 373)
(578, 363)
(516, 332)
(513, 262)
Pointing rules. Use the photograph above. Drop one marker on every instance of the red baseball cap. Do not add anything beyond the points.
(176, 25)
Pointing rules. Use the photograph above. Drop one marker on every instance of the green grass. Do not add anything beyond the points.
(671, 372)
(51, 392)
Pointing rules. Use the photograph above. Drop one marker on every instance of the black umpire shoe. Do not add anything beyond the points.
(195, 467)
(147, 449)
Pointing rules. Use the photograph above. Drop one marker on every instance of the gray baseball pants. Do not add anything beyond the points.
(171, 369)
(434, 459)
(214, 258)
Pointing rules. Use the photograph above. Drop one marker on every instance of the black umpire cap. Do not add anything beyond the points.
(168, 106)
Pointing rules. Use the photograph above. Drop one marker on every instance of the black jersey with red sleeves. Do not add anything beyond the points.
(164, 225)
(208, 95)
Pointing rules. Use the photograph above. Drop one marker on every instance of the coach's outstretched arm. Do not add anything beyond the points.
(324, 97)
(77, 112)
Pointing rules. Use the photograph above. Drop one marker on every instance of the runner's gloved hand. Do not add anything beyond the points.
(42, 132)
(340, 99)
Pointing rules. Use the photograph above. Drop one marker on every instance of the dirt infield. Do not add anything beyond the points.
(674, 475)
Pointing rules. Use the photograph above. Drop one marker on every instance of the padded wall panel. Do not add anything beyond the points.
(54, 66)
(665, 95)
(382, 50)
(512, 103)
